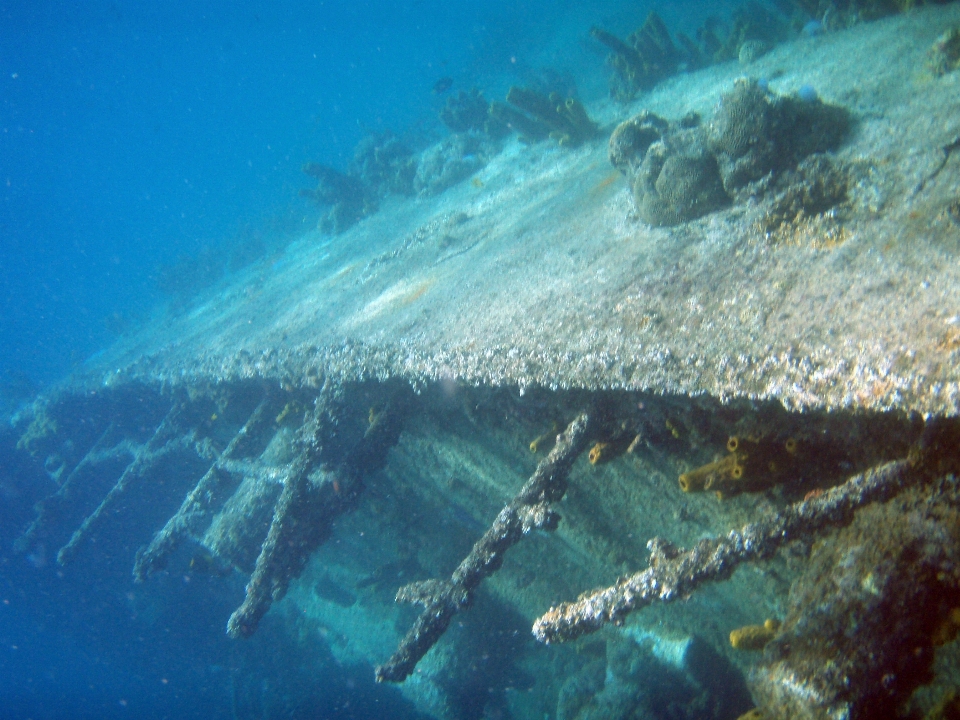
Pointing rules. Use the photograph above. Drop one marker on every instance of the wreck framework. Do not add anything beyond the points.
(266, 410)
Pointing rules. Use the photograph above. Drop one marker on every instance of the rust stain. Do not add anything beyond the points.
(417, 292)
(606, 182)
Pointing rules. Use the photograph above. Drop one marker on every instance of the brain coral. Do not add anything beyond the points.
(631, 139)
(678, 180)
(754, 132)
(743, 134)
(681, 171)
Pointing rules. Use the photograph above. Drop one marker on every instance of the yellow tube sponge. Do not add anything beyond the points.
(605, 451)
(597, 452)
(542, 440)
(705, 477)
(753, 463)
(754, 637)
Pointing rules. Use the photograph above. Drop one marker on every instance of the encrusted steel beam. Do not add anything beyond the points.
(197, 506)
(169, 436)
(528, 510)
(675, 573)
(311, 499)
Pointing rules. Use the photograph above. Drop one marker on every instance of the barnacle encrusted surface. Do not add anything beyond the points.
(550, 283)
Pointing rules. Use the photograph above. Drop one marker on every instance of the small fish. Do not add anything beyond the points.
(807, 93)
(442, 85)
(205, 563)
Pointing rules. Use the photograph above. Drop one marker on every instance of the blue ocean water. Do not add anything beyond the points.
(133, 136)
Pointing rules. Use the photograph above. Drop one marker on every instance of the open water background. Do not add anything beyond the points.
(136, 134)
